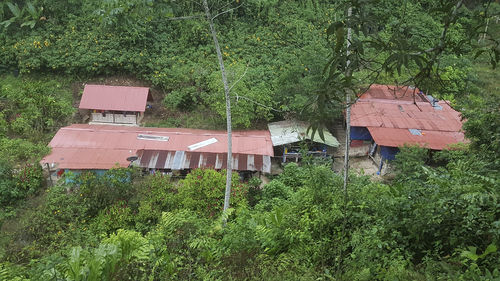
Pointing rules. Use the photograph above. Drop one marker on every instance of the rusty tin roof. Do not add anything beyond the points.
(119, 98)
(391, 113)
(82, 146)
(179, 160)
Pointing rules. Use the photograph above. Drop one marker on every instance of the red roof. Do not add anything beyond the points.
(388, 114)
(82, 146)
(119, 98)
(388, 92)
(437, 140)
(405, 115)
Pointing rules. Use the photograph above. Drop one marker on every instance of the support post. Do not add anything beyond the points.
(50, 176)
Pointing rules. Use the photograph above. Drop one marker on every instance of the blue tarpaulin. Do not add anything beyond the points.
(360, 133)
(388, 153)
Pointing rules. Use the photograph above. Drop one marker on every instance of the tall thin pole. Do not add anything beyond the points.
(228, 109)
(348, 73)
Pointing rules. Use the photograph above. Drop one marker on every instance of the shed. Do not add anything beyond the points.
(288, 132)
(115, 104)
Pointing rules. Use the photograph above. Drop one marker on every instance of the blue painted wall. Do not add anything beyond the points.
(360, 133)
(388, 153)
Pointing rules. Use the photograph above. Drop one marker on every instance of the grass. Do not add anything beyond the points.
(200, 118)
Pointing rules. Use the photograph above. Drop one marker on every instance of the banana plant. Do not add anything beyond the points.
(25, 16)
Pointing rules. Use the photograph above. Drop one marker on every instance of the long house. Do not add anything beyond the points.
(101, 147)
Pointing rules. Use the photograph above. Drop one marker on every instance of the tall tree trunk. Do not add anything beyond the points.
(228, 109)
(348, 73)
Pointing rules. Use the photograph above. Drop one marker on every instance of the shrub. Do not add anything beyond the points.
(254, 191)
(17, 185)
(7, 191)
(29, 179)
(156, 194)
(34, 106)
(114, 217)
(102, 191)
(203, 191)
(21, 150)
(276, 189)
(59, 221)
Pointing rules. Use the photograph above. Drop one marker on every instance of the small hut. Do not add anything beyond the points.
(115, 104)
(287, 136)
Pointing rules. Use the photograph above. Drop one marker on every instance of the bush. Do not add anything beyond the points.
(409, 161)
(254, 191)
(8, 192)
(101, 191)
(117, 216)
(203, 191)
(59, 221)
(29, 179)
(156, 194)
(276, 189)
(21, 150)
(120, 257)
(17, 185)
(34, 106)
(180, 99)
(179, 241)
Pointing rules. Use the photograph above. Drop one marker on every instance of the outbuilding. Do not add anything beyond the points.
(121, 105)
(287, 136)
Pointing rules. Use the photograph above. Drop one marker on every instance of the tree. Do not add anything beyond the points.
(227, 195)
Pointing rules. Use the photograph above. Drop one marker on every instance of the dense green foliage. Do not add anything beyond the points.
(282, 58)
(438, 219)
(202, 191)
(31, 109)
(18, 185)
(445, 220)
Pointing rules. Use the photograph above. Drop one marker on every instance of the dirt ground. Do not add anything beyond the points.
(361, 165)
(359, 162)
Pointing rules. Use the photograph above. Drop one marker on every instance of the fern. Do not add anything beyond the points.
(8, 272)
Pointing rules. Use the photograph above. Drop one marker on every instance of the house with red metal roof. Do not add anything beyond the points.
(101, 147)
(389, 117)
(115, 104)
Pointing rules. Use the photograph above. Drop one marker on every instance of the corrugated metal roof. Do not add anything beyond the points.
(389, 119)
(372, 113)
(387, 92)
(394, 137)
(285, 132)
(179, 160)
(119, 98)
(84, 158)
(82, 146)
